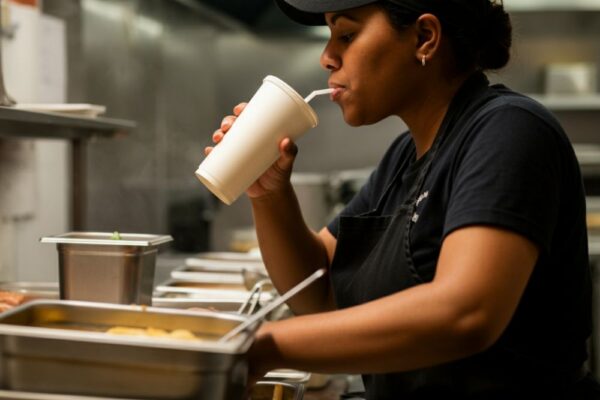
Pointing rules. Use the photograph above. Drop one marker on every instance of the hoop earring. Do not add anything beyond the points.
(423, 61)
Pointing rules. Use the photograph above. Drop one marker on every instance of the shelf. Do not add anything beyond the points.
(588, 102)
(552, 5)
(32, 124)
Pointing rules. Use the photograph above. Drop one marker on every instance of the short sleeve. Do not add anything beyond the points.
(509, 175)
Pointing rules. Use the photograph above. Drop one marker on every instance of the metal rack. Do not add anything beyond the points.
(16, 123)
(29, 124)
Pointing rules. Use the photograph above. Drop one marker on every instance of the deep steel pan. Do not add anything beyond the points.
(52, 346)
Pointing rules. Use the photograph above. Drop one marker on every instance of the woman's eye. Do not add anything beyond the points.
(346, 38)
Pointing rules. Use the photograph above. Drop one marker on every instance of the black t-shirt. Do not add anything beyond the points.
(513, 167)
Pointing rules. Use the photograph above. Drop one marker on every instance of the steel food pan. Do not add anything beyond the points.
(250, 256)
(95, 267)
(106, 239)
(52, 346)
(288, 375)
(32, 290)
(247, 278)
(195, 286)
(183, 301)
(260, 391)
(186, 301)
(199, 275)
(208, 290)
(267, 390)
(18, 395)
(222, 265)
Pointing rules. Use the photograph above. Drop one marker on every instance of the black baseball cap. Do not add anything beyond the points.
(312, 12)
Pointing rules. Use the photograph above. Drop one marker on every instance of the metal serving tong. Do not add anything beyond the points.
(253, 299)
(274, 304)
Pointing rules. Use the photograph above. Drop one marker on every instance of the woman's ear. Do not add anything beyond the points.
(429, 33)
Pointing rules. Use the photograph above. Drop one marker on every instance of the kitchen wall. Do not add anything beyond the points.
(177, 70)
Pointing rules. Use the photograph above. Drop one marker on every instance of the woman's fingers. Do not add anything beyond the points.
(227, 122)
(217, 136)
(237, 110)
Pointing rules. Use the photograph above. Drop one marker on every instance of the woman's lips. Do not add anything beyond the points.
(337, 93)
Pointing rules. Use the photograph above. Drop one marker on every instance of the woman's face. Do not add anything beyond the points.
(371, 64)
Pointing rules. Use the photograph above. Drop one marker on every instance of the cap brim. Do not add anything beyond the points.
(312, 12)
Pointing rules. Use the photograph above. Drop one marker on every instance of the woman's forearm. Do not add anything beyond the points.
(408, 330)
(290, 250)
(463, 311)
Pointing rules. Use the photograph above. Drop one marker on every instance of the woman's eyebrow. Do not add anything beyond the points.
(335, 17)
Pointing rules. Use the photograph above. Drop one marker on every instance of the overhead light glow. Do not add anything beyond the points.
(119, 13)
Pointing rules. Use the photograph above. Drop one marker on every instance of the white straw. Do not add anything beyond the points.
(317, 93)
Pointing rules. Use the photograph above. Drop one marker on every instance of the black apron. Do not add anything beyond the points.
(373, 259)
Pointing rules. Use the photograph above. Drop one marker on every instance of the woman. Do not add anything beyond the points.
(461, 267)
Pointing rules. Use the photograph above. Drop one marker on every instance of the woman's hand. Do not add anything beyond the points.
(261, 356)
(278, 175)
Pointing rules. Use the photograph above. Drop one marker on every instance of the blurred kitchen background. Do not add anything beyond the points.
(175, 68)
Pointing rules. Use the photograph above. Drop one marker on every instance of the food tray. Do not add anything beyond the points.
(183, 300)
(266, 390)
(251, 256)
(51, 346)
(288, 375)
(195, 274)
(18, 395)
(207, 290)
(105, 239)
(32, 290)
(260, 391)
(223, 265)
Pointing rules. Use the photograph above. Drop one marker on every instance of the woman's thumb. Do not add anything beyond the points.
(288, 151)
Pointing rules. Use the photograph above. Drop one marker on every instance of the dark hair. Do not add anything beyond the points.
(480, 30)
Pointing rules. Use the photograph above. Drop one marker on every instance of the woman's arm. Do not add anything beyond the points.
(291, 251)
(481, 274)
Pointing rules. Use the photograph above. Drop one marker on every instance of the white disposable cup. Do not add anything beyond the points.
(251, 145)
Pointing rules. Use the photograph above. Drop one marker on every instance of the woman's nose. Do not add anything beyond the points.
(329, 60)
